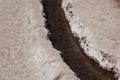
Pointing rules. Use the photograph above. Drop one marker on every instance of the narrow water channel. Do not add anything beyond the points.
(64, 41)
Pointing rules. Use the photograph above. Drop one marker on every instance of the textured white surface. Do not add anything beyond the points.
(97, 24)
(25, 51)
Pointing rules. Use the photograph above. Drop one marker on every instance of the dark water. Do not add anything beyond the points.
(63, 40)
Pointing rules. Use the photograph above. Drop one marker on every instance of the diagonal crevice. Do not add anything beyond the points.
(63, 40)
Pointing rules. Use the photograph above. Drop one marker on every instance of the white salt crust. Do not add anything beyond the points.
(108, 61)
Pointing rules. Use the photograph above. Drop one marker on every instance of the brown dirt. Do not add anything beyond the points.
(118, 3)
(63, 40)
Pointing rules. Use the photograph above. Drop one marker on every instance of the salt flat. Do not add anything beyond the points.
(25, 51)
(101, 19)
